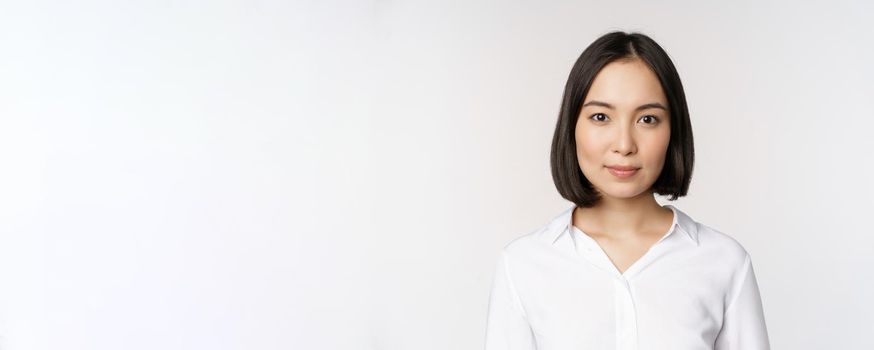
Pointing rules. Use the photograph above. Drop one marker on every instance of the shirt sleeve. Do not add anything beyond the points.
(507, 326)
(743, 326)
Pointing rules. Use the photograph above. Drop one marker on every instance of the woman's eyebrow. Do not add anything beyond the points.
(639, 108)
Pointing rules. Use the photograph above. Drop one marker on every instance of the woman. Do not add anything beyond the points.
(617, 270)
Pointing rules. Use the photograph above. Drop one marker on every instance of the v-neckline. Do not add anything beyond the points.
(631, 270)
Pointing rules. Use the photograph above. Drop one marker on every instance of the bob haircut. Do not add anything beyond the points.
(679, 160)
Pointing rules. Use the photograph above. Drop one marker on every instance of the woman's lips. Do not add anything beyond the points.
(623, 174)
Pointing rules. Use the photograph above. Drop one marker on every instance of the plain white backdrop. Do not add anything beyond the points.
(343, 175)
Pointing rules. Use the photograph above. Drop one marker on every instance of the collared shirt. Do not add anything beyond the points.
(556, 289)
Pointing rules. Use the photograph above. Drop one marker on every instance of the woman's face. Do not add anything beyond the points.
(624, 121)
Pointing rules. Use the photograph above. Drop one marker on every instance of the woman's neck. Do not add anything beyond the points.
(623, 217)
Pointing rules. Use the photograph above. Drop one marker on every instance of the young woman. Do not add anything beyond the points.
(617, 270)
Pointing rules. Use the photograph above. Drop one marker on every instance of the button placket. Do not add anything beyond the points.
(626, 315)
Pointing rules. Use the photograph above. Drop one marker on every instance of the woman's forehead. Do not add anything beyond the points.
(626, 82)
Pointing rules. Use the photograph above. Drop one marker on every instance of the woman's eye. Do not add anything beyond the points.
(649, 119)
(596, 115)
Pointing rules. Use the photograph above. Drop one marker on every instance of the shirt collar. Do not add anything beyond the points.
(562, 224)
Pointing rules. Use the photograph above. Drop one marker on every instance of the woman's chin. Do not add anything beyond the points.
(622, 192)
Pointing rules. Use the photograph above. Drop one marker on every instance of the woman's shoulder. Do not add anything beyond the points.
(720, 244)
(544, 234)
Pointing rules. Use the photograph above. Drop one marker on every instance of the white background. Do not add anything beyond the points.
(342, 175)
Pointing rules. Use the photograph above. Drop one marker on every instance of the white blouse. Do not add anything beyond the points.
(556, 289)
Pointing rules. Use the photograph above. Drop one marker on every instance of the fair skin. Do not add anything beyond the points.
(624, 121)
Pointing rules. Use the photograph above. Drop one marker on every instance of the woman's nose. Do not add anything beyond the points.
(624, 143)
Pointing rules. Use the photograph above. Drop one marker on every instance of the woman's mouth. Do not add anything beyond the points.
(623, 172)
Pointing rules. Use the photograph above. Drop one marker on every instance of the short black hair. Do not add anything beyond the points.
(679, 160)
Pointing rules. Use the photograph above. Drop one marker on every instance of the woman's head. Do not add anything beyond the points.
(623, 105)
